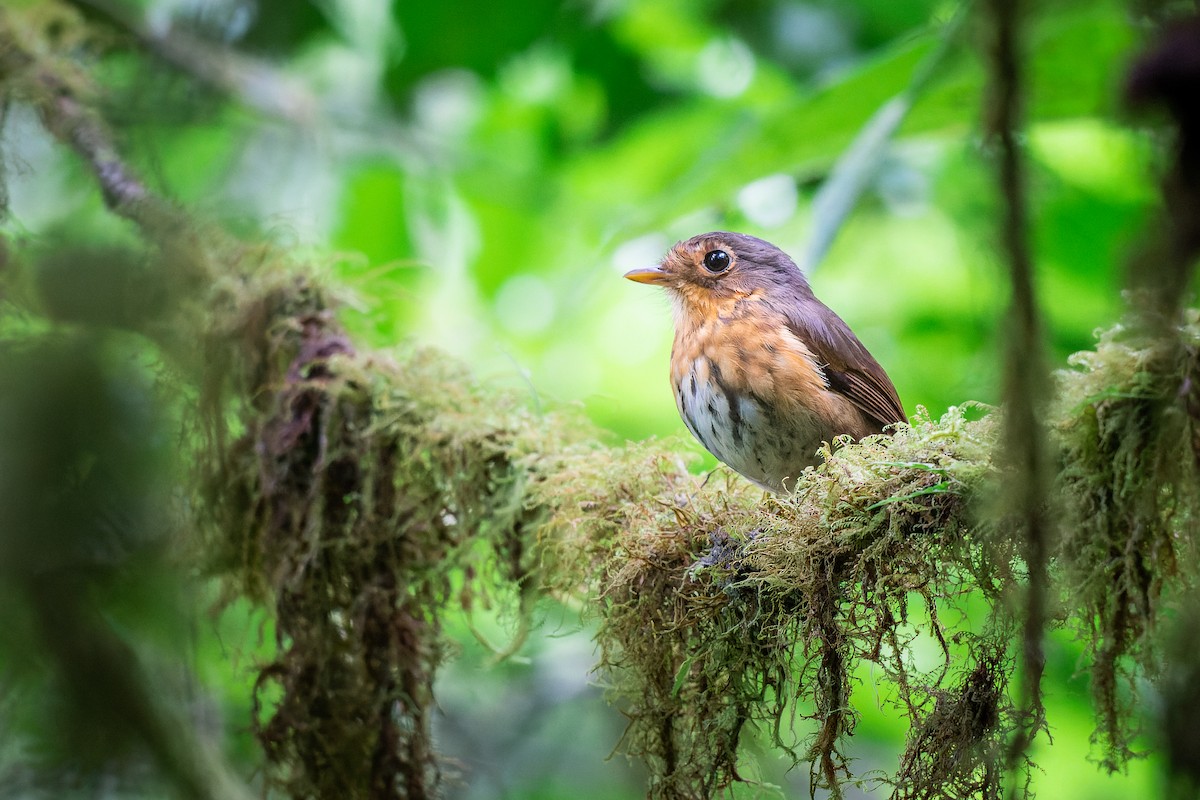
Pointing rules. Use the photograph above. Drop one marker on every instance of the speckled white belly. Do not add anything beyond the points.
(769, 448)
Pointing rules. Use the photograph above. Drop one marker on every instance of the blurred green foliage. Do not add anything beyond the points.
(481, 173)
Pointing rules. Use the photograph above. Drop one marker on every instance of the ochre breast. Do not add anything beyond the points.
(752, 393)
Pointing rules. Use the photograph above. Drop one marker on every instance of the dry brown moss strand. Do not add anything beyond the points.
(1026, 385)
(957, 750)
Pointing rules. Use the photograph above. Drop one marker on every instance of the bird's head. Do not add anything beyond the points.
(712, 269)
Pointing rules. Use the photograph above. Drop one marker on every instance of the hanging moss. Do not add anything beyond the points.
(1130, 476)
(362, 497)
(956, 750)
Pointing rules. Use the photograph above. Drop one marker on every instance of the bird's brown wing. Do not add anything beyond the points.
(849, 368)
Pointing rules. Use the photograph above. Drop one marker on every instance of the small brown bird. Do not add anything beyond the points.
(763, 371)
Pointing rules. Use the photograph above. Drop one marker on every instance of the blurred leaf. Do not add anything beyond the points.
(698, 155)
(373, 219)
(472, 34)
(280, 26)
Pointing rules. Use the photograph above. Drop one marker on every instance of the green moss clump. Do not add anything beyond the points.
(361, 496)
(724, 609)
(1131, 479)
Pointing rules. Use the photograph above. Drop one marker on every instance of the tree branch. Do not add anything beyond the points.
(73, 122)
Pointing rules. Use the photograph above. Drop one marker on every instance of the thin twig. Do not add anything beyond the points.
(256, 83)
(79, 127)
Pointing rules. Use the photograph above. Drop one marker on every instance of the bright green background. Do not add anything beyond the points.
(478, 174)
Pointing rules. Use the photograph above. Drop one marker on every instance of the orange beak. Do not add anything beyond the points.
(653, 275)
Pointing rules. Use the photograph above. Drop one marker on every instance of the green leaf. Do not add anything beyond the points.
(681, 675)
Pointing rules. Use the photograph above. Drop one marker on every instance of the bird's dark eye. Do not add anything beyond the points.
(716, 261)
